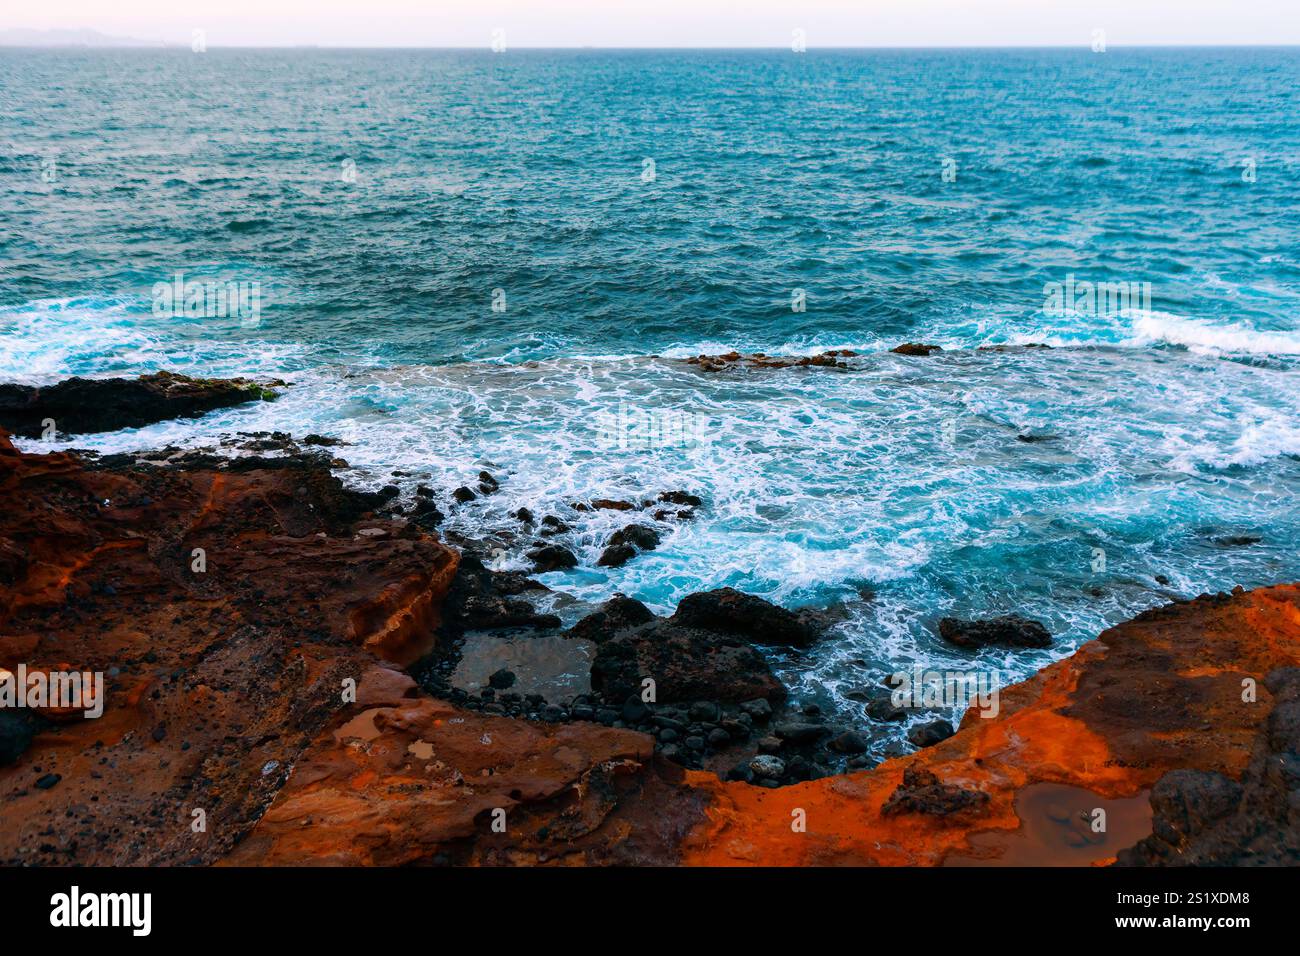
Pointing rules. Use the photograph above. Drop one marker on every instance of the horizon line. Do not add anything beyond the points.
(178, 45)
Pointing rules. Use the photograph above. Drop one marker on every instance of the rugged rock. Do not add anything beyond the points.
(686, 665)
(79, 405)
(626, 543)
(481, 599)
(922, 792)
(618, 614)
(258, 690)
(916, 348)
(1010, 630)
(729, 360)
(551, 557)
(930, 733)
(728, 611)
(1205, 818)
(680, 498)
(225, 608)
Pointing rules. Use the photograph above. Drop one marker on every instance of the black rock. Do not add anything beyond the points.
(694, 743)
(47, 781)
(929, 734)
(1010, 630)
(553, 525)
(635, 710)
(850, 742)
(759, 710)
(106, 404)
(800, 733)
(703, 710)
(463, 495)
(741, 771)
(552, 557)
(680, 498)
(688, 665)
(524, 515)
(502, 679)
(16, 732)
(882, 708)
(719, 738)
(625, 543)
(729, 611)
(617, 614)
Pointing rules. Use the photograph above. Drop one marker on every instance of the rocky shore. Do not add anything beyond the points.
(285, 661)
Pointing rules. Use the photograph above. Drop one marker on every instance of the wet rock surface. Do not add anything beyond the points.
(758, 360)
(80, 405)
(1010, 630)
(1206, 818)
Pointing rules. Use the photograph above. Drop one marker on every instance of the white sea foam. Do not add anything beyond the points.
(1211, 338)
(905, 477)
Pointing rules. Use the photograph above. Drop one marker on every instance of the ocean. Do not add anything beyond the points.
(466, 261)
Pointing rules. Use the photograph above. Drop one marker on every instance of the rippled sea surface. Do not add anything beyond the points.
(625, 210)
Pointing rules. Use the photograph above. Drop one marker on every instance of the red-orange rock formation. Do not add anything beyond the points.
(225, 609)
(1093, 732)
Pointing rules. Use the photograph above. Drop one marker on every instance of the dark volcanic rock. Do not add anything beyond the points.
(680, 498)
(16, 731)
(480, 599)
(1204, 818)
(625, 543)
(850, 742)
(106, 404)
(686, 665)
(916, 348)
(929, 734)
(551, 557)
(800, 733)
(922, 792)
(618, 614)
(728, 611)
(1010, 630)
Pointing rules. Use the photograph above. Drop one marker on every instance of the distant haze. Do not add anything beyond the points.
(661, 23)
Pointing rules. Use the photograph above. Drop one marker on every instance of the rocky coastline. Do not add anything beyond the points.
(286, 655)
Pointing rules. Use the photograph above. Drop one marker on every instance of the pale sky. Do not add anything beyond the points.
(670, 23)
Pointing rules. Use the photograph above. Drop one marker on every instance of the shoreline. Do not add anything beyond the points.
(216, 676)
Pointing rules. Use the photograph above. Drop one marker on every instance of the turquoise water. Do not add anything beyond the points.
(1171, 425)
